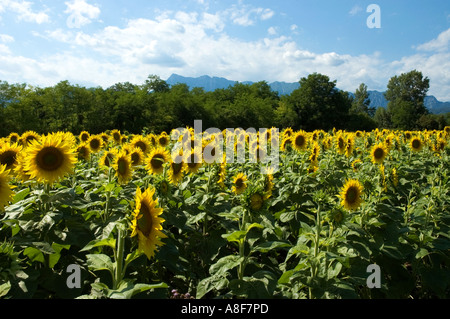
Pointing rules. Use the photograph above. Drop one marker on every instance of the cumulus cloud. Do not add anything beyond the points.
(24, 11)
(180, 43)
(247, 16)
(355, 10)
(80, 13)
(195, 44)
(5, 38)
(441, 43)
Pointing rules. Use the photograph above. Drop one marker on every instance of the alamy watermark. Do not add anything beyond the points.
(374, 279)
(263, 146)
(374, 20)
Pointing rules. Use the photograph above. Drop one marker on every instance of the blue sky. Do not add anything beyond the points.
(103, 42)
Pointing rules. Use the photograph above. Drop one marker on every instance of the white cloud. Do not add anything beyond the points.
(24, 11)
(272, 31)
(196, 44)
(179, 43)
(247, 16)
(355, 10)
(441, 43)
(80, 13)
(5, 38)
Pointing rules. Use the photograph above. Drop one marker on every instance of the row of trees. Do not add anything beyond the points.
(156, 106)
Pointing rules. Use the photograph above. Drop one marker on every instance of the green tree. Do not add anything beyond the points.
(382, 118)
(406, 94)
(361, 101)
(319, 104)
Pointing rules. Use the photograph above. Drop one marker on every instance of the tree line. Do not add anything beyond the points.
(155, 106)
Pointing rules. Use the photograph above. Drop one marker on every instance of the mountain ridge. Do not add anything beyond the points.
(211, 83)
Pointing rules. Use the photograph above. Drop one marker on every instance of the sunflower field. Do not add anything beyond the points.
(137, 223)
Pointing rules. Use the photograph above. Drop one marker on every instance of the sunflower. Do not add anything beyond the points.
(239, 183)
(407, 135)
(176, 169)
(50, 159)
(350, 144)
(300, 140)
(341, 144)
(28, 137)
(268, 183)
(116, 136)
(14, 138)
(193, 161)
(394, 176)
(84, 136)
(146, 223)
(122, 166)
(5, 190)
(256, 201)
(286, 143)
(163, 139)
(222, 174)
(95, 143)
(287, 132)
(151, 138)
(156, 160)
(356, 164)
(107, 158)
(378, 153)
(315, 152)
(20, 171)
(141, 142)
(137, 156)
(439, 145)
(337, 216)
(83, 151)
(416, 144)
(351, 194)
(8, 155)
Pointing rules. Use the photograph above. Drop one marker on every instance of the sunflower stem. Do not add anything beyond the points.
(118, 276)
(47, 192)
(314, 265)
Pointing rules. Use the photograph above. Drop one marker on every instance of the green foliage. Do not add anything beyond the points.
(406, 94)
(155, 106)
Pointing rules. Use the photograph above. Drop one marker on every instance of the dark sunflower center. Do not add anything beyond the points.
(157, 161)
(135, 158)
(300, 140)
(50, 159)
(176, 168)
(8, 158)
(341, 143)
(122, 166)
(30, 138)
(116, 136)
(416, 144)
(379, 153)
(84, 137)
(145, 221)
(163, 140)
(95, 144)
(351, 195)
(239, 183)
(141, 145)
(108, 159)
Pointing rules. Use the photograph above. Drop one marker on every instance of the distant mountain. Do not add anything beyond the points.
(209, 84)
